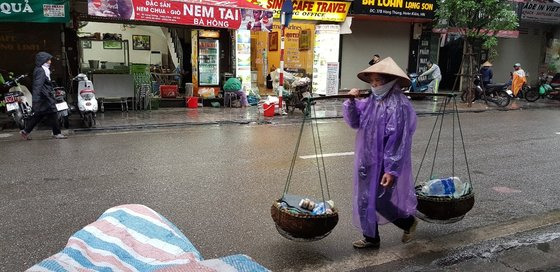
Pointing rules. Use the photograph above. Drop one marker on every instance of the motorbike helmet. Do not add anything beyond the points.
(517, 65)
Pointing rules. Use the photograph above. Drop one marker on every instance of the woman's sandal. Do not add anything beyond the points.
(409, 235)
(365, 244)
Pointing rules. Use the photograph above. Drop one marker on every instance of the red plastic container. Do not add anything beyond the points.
(268, 110)
(192, 102)
(168, 91)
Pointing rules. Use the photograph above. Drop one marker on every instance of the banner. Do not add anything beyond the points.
(46, 11)
(548, 13)
(326, 52)
(514, 34)
(256, 20)
(424, 9)
(316, 10)
(171, 12)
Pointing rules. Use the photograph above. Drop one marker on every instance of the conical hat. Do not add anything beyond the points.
(386, 66)
(487, 64)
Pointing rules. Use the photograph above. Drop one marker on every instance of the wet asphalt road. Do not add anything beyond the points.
(216, 183)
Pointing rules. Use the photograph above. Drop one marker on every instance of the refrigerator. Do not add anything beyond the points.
(208, 62)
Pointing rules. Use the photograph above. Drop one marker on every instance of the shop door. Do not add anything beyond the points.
(451, 56)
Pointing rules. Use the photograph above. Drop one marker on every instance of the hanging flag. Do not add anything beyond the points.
(288, 9)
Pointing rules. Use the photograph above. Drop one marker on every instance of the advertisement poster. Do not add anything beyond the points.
(256, 20)
(243, 55)
(326, 51)
(405, 8)
(548, 13)
(332, 78)
(315, 10)
(47, 11)
(185, 13)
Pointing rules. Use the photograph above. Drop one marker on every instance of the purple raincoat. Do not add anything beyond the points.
(383, 145)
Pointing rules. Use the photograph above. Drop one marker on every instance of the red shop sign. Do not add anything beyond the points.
(171, 12)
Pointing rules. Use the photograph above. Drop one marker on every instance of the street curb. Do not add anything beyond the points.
(440, 244)
(261, 121)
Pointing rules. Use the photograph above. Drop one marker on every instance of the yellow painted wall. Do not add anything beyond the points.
(293, 57)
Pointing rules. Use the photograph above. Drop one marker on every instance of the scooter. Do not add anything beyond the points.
(63, 111)
(544, 89)
(301, 89)
(18, 100)
(416, 85)
(87, 103)
(495, 93)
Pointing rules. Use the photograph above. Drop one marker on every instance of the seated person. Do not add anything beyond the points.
(234, 85)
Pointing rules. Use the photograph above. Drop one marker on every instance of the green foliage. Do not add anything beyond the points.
(472, 16)
(478, 19)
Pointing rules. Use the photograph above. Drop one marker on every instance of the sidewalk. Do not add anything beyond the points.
(171, 117)
(530, 243)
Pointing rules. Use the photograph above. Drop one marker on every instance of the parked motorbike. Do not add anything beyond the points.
(87, 103)
(63, 111)
(495, 93)
(18, 100)
(543, 90)
(301, 89)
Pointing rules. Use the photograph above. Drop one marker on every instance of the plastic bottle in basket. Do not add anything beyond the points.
(442, 187)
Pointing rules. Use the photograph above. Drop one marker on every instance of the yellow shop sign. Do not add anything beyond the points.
(316, 10)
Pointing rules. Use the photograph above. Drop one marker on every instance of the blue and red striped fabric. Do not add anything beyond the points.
(136, 238)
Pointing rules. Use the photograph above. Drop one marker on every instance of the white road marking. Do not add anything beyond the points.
(5, 135)
(557, 133)
(327, 155)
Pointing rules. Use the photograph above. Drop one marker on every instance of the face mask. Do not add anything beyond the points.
(380, 91)
(46, 64)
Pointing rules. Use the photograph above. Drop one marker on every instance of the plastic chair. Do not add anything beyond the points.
(229, 97)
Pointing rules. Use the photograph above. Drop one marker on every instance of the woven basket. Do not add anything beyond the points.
(303, 227)
(443, 208)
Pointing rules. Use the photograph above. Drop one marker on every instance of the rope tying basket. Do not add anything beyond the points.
(439, 209)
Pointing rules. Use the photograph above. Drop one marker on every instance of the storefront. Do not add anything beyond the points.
(28, 27)
(397, 29)
(312, 44)
(536, 48)
(167, 45)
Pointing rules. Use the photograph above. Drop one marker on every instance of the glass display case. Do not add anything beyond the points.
(208, 62)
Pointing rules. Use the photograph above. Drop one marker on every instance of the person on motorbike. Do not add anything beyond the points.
(434, 74)
(519, 78)
(44, 104)
(486, 73)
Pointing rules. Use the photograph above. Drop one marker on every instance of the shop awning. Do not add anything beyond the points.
(498, 33)
(242, 4)
(201, 13)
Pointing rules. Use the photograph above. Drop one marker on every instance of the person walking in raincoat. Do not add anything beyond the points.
(383, 184)
(519, 78)
(44, 104)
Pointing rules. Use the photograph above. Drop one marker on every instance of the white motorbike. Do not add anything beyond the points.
(87, 103)
(18, 101)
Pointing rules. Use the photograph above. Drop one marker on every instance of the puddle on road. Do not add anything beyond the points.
(486, 251)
